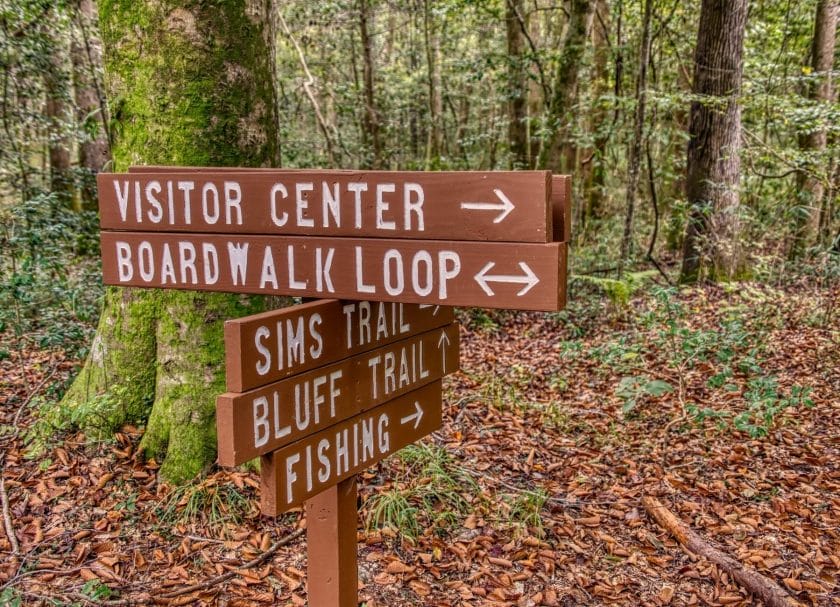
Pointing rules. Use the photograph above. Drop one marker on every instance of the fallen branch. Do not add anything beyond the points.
(226, 576)
(763, 588)
(7, 517)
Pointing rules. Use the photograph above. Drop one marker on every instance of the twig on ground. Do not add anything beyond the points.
(763, 588)
(7, 517)
(226, 576)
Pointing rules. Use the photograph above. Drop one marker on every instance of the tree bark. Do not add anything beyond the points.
(191, 85)
(713, 168)
(635, 157)
(91, 112)
(810, 186)
(517, 84)
(371, 119)
(565, 85)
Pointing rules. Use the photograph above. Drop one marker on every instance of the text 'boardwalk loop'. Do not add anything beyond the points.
(453, 273)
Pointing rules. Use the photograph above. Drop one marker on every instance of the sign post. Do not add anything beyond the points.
(331, 522)
(322, 390)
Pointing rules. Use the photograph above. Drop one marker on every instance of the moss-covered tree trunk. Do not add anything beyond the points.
(188, 83)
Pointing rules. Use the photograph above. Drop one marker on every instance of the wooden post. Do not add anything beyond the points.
(333, 570)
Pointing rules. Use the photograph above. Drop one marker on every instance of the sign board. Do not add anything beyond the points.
(263, 348)
(561, 190)
(306, 467)
(265, 419)
(510, 206)
(455, 273)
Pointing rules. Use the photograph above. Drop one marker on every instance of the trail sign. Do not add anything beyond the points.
(307, 467)
(454, 273)
(323, 390)
(264, 348)
(507, 206)
(265, 419)
(561, 190)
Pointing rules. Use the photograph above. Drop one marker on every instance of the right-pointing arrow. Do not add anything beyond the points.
(504, 206)
(529, 279)
(416, 416)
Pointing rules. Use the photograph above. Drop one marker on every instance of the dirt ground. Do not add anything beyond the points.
(530, 494)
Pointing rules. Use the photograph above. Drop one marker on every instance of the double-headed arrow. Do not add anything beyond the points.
(529, 279)
(416, 416)
(504, 206)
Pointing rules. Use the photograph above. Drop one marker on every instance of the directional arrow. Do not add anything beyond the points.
(529, 279)
(442, 343)
(416, 416)
(434, 312)
(504, 206)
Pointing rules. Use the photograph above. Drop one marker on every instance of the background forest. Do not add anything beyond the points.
(698, 355)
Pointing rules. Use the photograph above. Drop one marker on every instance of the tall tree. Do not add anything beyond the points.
(565, 84)
(371, 118)
(602, 122)
(434, 142)
(86, 56)
(515, 25)
(190, 84)
(57, 108)
(635, 156)
(714, 166)
(810, 185)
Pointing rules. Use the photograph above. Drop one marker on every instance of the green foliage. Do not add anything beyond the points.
(10, 597)
(631, 389)
(97, 591)
(205, 501)
(617, 291)
(765, 403)
(526, 509)
(42, 304)
(439, 492)
(393, 509)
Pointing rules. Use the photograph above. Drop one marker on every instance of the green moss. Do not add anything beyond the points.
(117, 384)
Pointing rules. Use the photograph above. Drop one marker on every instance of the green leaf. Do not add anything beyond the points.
(657, 387)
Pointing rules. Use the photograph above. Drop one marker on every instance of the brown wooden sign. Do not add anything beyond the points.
(453, 273)
(561, 190)
(307, 467)
(268, 418)
(509, 206)
(263, 348)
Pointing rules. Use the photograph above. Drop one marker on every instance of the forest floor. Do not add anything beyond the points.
(723, 403)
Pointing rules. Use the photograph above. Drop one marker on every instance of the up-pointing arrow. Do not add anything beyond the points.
(504, 206)
(416, 416)
(443, 341)
(529, 279)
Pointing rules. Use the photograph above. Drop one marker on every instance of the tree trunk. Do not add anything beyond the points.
(565, 85)
(371, 120)
(810, 186)
(86, 55)
(713, 168)
(433, 145)
(57, 111)
(517, 84)
(635, 157)
(595, 171)
(192, 86)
